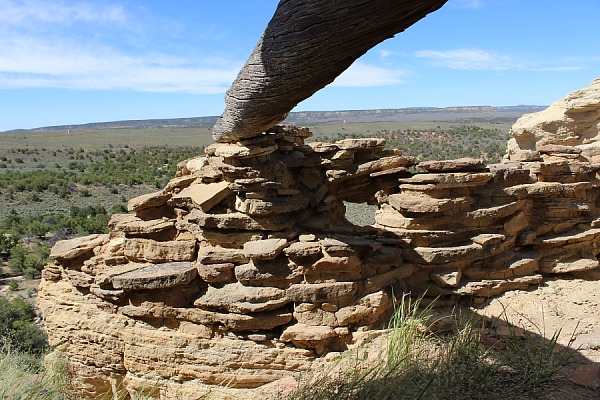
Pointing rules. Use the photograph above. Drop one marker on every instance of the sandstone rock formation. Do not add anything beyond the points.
(569, 128)
(244, 269)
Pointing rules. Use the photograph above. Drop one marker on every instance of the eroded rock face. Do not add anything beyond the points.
(244, 270)
(568, 129)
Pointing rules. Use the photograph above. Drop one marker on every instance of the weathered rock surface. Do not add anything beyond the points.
(566, 129)
(241, 284)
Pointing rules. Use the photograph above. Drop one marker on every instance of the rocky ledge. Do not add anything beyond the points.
(244, 269)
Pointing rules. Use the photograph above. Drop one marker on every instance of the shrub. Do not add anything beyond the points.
(17, 329)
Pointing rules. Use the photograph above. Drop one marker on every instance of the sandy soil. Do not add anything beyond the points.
(569, 308)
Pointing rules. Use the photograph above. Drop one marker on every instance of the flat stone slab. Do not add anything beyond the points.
(133, 225)
(203, 196)
(72, 248)
(307, 332)
(242, 299)
(158, 252)
(361, 143)
(155, 199)
(273, 205)
(557, 148)
(239, 151)
(156, 276)
(460, 164)
(322, 292)
(266, 249)
(449, 180)
(238, 220)
(573, 264)
(589, 235)
(424, 204)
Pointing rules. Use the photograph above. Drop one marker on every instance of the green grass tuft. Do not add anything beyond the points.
(413, 363)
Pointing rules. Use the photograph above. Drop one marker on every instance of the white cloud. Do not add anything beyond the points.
(559, 69)
(385, 53)
(15, 12)
(361, 74)
(29, 62)
(41, 50)
(477, 59)
(467, 59)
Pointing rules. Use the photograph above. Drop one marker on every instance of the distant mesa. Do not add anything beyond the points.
(314, 118)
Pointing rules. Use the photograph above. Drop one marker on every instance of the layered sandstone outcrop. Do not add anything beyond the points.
(569, 127)
(244, 269)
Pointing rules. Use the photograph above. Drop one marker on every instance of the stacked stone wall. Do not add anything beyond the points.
(244, 268)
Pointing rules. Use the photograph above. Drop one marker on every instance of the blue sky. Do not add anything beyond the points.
(70, 62)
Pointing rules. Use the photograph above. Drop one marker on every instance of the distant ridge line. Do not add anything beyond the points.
(306, 117)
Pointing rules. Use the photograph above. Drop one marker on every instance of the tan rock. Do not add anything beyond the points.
(315, 317)
(334, 293)
(278, 273)
(78, 279)
(446, 180)
(378, 282)
(266, 249)
(516, 224)
(150, 250)
(337, 264)
(493, 287)
(155, 199)
(229, 238)
(571, 121)
(370, 310)
(460, 164)
(133, 225)
(105, 275)
(321, 147)
(217, 255)
(239, 151)
(216, 273)
(275, 205)
(362, 143)
(238, 221)
(446, 279)
(241, 299)
(72, 248)
(422, 204)
(178, 183)
(157, 276)
(573, 264)
(203, 196)
(303, 249)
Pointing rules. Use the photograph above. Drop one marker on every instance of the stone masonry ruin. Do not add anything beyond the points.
(243, 269)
